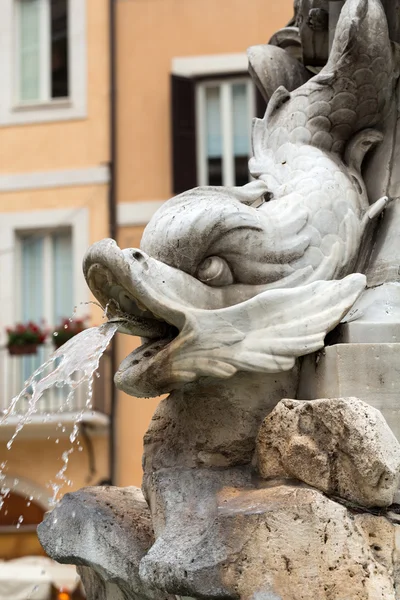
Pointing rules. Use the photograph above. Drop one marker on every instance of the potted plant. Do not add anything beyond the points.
(25, 338)
(67, 330)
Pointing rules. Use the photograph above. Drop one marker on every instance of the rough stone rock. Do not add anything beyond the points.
(256, 539)
(341, 446)
(106, 531)
(292, 543)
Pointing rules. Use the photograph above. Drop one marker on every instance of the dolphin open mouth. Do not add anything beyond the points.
(116, 279)
(134, 317)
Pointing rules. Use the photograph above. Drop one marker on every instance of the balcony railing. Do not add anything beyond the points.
(14, 370)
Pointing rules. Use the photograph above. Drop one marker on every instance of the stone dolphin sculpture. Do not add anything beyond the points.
(235, 284)
(249, 279)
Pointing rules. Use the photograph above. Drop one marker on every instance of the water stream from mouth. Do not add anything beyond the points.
(73, 365)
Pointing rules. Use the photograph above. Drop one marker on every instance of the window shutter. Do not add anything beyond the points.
(183, 102)
(261, 105)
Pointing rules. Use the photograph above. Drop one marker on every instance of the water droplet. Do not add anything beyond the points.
(20, 520)
(57, 441)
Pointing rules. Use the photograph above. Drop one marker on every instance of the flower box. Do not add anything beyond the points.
(22, 349)
(25, 338)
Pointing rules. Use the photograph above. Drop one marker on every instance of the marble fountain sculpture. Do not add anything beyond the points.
(271, 315)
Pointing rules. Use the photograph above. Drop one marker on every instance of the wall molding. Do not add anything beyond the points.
(38, 180)
(212, 64)
(137, 213)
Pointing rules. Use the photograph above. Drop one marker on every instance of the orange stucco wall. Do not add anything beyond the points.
(150, 34)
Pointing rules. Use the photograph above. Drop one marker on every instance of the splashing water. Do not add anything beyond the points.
(71, 366)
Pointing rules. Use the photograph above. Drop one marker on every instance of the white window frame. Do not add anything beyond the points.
(14, 112)
(48, 263)
(11, 225)
(228, 159)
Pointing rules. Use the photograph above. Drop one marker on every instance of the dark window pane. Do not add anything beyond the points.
(241, 170)
(213, 132)
(215, 171)
(59, 49)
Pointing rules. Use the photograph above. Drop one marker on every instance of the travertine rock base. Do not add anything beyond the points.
(341, 446)
(106, 531)
(292, 543)
(283, 542)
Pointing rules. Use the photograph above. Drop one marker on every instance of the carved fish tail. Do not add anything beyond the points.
(356, 83)
(351, 93)
(361, 63)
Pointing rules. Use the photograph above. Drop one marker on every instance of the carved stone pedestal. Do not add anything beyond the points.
(370, 372)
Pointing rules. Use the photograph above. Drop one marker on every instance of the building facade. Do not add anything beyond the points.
(54, 183)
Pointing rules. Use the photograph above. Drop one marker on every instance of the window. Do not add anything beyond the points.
(211, 120)
(41, 50)
(46, 283)
(46, 276)
(224, 113)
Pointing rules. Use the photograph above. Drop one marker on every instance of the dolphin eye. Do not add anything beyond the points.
(215, 271)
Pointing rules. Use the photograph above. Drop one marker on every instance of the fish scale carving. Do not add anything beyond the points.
(351, 92)
(305, 146)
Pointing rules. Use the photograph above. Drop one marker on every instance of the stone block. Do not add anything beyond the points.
(369, 372)
(341, 446)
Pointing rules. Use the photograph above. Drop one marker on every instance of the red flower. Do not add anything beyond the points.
(22, 334)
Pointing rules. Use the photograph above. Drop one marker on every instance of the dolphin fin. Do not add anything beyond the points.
(267, 333)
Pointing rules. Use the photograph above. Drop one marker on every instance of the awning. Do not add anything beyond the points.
(31, 578)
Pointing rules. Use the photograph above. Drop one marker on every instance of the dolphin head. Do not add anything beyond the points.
(198, 293)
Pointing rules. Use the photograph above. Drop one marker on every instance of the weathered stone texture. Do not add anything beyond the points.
(293, 543)
(341, 446)
(107, 531)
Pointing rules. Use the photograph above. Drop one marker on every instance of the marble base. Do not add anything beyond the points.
(369, 371)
